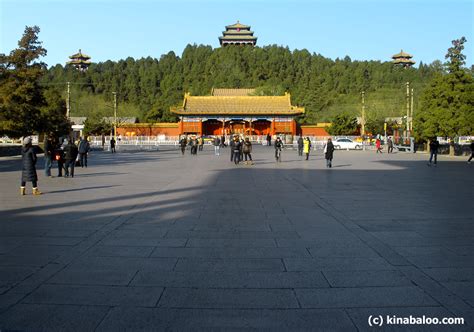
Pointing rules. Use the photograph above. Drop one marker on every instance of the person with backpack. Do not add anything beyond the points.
(182, 143)
(247, 150)
(70, 155)
(434, 146)
(84, 148)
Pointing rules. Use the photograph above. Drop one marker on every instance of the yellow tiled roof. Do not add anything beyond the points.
(232, 92)
(402, 55)
(258, 105)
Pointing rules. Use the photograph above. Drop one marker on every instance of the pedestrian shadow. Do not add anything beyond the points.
(79, 189)
(99, 174)
(346, 165)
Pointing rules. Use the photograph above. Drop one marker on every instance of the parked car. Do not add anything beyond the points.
(346, 143)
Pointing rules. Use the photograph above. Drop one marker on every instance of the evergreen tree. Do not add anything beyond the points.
(343, 124)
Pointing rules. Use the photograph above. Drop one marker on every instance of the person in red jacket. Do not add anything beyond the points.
(378, 145)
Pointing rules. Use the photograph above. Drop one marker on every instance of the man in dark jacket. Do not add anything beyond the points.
(28, 167)
(247, 149)
(70, 155)
(217, 145)
(182, 143)
(278, 149)
(269, 140)
(434, 145)
(84, 148)
(236, 149)
(300, 145)
(112, 145)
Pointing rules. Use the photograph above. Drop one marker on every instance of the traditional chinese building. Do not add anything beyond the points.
(403, 59)
(237, 34)
(80, 61)
(228, 111)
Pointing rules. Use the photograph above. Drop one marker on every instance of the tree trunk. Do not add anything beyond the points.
(451, 147)
(428, 146)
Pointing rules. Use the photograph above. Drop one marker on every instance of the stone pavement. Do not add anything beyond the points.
(148, 241)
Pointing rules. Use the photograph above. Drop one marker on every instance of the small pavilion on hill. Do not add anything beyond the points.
(228, 111)
(80, 60)
(237, 34)
(403, 59)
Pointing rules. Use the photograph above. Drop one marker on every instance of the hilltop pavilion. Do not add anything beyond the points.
(403, 59)
(228, 111)
(80, 60)
(237, 34)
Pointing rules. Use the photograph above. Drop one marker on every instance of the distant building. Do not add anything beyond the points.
(229, 111)
(403, 59)
(237, 34)
(80, 61)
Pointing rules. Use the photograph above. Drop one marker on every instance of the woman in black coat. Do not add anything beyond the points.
(328, 153)
(28, 167)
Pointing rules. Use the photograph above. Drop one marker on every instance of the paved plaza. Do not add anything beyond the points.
(154, 240)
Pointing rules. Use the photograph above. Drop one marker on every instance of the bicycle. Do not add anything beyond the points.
(278, 155)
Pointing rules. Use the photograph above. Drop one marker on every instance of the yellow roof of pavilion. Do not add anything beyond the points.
(237, 105)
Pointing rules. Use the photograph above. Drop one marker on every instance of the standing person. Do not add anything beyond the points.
(247, 149)
(300, 145)
(390, 145)
(182, 143)
(194, 146)
(472, 152)
(269, 140)
(59, 157)
(328, 153)
(307, 147)
(278, 149)
(217, 144)
(236, 148)
(223, 141)
(241, 140)
(231, 145)
(48, 155)
(112, 145)
(28, 167)
(201, 143)
(103, 142)
(434, 145)
(378, 145)
(70, 155)
(84, 148)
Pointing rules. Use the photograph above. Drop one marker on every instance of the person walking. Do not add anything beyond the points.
(472, 152)
(434, 145)
(84, 148)
(28, 167)
(48, 155)
(59, 158)
(217, 145)
(390, 145)
(103, 141)
(223, 141)
(278, 148)
(112, 145)
(378, 145)
(269, 140)
(241, 140)
(300, 145)
(307, 147)
(247, 149)
(182, 143)
(236, 149)
(70, 155)
(328, 153)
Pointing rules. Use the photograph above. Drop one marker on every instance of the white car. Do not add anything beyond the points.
(346, 143)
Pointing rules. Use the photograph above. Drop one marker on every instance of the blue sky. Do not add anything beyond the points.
(364, 30)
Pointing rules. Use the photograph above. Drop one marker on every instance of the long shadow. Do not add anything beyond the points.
(81, 189)
(99, 174)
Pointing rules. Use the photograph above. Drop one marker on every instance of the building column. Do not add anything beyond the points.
(181, 126)
(293, 127)
(200, 127)
(272, 127)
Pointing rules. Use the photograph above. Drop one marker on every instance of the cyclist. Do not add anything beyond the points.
(278, 147)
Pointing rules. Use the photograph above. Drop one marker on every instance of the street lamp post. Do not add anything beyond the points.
(115, 115)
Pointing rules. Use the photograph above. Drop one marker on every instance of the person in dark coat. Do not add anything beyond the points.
(48, 155)
(217, 145)
(112, 145)
(278, 149)
(182, 143)
(223, 141)
(70, 155)
(247, 149)
(84, 148)
(269, 140)
(472, 152)
(328, 153)
(390, 145)
(300, 145)
(236, 149)
(194, 146)
(434, 145)
(28, 167)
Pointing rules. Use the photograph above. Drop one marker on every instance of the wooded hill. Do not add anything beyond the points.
(146, 88)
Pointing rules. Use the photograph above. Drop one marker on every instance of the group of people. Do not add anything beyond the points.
(195, 143)
(66, 153)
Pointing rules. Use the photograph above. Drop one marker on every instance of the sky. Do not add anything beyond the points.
(363, 30)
